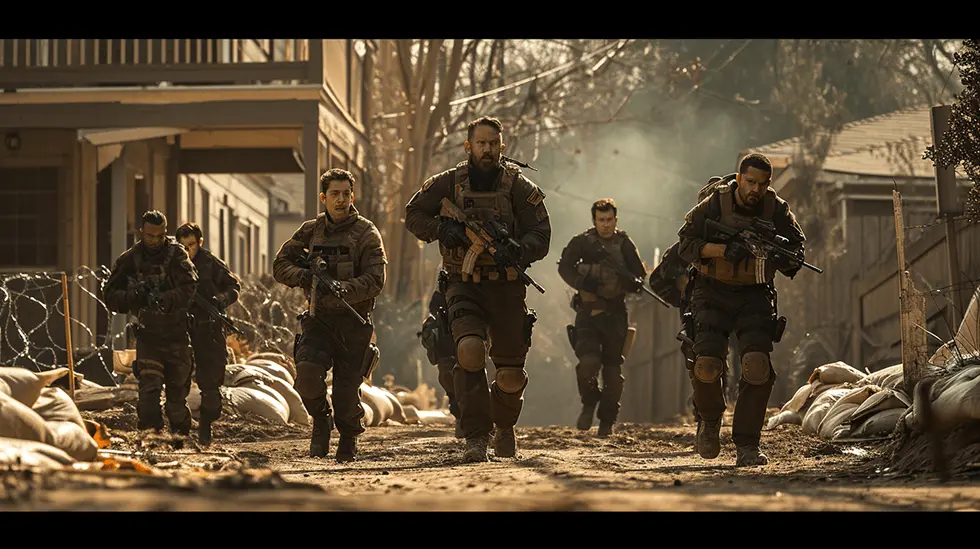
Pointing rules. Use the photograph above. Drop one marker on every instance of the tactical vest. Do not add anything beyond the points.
(611, 283)
(341, 252)
(157, 273)
(723, 270)
(497, 204)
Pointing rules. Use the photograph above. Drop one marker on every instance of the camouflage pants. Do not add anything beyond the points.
(210, 359)
(719, 309)
(163, 360)
(599, 344)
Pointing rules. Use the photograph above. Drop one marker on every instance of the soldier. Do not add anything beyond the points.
(727, 296)
(332, 335)
(219, 287)
(437, 339)
(486, 305)
(599, 336)
(155, 280)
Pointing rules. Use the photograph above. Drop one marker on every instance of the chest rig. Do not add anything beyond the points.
(496, 204)
(754, 270)
(149, 269)
(339, 248)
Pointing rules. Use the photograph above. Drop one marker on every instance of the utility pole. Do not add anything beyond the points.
(949, 206)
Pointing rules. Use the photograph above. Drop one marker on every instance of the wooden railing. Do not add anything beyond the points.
(39, 63)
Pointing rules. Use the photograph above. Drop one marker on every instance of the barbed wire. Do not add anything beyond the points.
(266, 312)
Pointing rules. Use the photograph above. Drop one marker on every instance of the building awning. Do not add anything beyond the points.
(99, 137)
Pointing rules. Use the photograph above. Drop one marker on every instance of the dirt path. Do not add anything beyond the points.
(642, 467)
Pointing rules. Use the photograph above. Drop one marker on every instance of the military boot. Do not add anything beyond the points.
(346, 449)
(605, 428)
(585, 418)
(320, 440)
(748, 455)
(476, 449)
(708, 441)
(204, 432)
(505, 442)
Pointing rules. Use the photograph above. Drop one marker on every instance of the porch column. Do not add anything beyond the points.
(117, 239)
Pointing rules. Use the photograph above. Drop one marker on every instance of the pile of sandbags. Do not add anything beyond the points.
(839, 401)
(44, 420)
(260, 388)
(954, 396)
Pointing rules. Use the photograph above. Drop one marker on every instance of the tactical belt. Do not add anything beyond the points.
(481, 272)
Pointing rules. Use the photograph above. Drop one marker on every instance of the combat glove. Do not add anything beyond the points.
(452, 233)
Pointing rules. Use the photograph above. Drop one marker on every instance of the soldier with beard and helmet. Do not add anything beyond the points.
(592, 264)
(336, 332)
(486, 294)
(155, 280)
(220, 288)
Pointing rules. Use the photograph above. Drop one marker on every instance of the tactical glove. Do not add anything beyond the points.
(452, 233)
(736, 251)
(509, 249)
(590, 285)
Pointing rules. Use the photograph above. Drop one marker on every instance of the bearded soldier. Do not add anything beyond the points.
(486, 292)
(155, 281)
(593, 264)
(336, 331)
(734, 290)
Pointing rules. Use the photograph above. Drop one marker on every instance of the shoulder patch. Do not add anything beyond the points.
(536, 196)
(427, 183)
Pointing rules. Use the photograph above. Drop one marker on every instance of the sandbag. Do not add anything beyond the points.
(959, 400)
(122, 361)
(880, 423)
(244, 400)
(274, 369)
(73, 439)
(814, 416)
(411, 414)
(259, 385)
(885, 399)
(32, 454)
(398, 414)
(24, 385)
(891, 377)
(799, 399)
(374, 398)
(19, 421)
(55, 405)
(194, 401)
(279, 358)
(435, 417)
(832, 425)
(836, 372)
(786, 417)
(368, 415)
(240, 375)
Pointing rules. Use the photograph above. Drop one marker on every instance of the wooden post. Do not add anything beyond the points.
(912, 310)
(71, 357)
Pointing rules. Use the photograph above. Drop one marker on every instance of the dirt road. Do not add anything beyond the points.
(642, 467)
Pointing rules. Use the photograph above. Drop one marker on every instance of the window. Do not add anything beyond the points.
(28, 232)
(357, 55)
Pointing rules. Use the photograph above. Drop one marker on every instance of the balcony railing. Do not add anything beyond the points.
(149, 62)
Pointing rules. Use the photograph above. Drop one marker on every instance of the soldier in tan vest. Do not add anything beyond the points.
(599, 335)
(332, 336)
(487, 309)
(727, 296)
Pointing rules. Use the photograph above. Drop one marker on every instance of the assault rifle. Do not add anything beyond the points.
(607, 260)
(217, 315)
(760, 238)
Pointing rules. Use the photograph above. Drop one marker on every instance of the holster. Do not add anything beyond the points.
(779, 326)
(372, 355)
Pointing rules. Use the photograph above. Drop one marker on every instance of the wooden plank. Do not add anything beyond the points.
(913, 309)
(150, 74)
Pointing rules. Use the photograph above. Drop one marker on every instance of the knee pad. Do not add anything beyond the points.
(708, 369)
(309, 382)
(511, 380)
(471, 353)
(755, 367)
